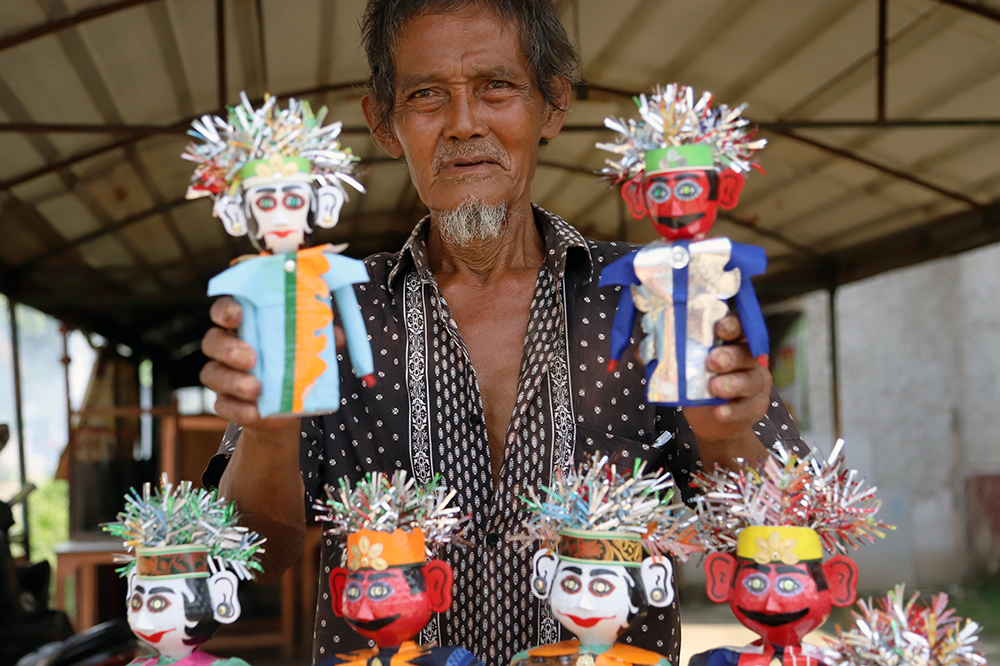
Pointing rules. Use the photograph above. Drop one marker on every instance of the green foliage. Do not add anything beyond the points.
(48, 516)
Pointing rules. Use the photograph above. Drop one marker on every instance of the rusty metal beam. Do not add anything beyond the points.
(982, 9)
(68, 22)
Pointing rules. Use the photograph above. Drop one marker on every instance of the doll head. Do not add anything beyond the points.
(777, 584)
(387, 592)
(274, 174)
(599, 599)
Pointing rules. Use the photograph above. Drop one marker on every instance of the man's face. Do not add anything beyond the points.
(779, 602)
(156, 615)
(679, 203)
(467, 117)
(592, 601)
(281, 210)
(381, 606)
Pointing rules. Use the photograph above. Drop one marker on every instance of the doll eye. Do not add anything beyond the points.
(157, 604)
(135, 603)
(687, 189)
(379, 591)
(600, 587)
(294, 201)
(353, 592)
(787, 586)
(755, 584)
(571, 584)
(266, 202)
(659, 193)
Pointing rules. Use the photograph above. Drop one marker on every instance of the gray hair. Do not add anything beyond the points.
(546, 46)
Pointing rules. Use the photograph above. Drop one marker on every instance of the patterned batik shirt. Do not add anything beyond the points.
(425, 415)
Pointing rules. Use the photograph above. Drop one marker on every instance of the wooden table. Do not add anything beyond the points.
(80, 558)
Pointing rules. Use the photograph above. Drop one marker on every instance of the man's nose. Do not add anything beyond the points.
(463, 118)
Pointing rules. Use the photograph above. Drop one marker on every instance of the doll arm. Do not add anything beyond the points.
(621, 273)
(357, 337)
(751, 260)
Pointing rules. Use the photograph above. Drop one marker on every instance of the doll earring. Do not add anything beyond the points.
(224, 610)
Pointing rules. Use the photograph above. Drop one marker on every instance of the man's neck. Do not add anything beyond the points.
(519, 246)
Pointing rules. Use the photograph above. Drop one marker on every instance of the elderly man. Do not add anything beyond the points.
(489, 332)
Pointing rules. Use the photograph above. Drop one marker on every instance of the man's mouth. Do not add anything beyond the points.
(586, 622)
(153, 638)
(372, 625)
(776, 619)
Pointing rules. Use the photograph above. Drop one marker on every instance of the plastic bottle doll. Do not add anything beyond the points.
(189, 555)
(275, 174)
(770, 526)
(392, 584)
(679, 163)
(595, 577)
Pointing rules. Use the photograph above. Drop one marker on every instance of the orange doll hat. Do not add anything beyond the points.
(390, 521)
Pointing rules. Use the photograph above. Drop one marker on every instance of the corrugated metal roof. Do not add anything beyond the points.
(95, 98)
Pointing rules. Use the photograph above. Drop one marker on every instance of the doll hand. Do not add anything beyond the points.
(228, 369)
(725, 431)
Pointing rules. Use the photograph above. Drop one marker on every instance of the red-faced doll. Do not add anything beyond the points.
(769, 526)
(679, 164)
(389, 590)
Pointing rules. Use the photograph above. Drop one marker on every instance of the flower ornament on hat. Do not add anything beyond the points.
(389, 583)
(596, 523)
(187, 556)
(678, 163)
(894, 632)
(770, 525)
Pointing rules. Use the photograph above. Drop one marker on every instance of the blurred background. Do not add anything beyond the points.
(879, 209)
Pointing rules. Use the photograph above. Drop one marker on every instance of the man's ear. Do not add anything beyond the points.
(555, 112)
(634, 194)
(657, 578)
(381, 134)
(720, 570)
(543, 572)
(730, 186)
(222, 587)
(338, 581)
(842, 576)
(439, 578)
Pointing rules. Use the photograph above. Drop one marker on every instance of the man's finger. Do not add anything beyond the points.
(226, 381)
(226, 312)
(237, 411)
(742, 384)
(339, 338)
(729, 329)
(730, 358)
(219, 345)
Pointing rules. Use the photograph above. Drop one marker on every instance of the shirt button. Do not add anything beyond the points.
(475, 419)
(492, 539)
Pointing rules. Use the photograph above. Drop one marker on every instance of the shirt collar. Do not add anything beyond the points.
(559, 236)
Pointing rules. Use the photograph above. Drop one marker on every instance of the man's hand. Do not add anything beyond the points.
(725, 432)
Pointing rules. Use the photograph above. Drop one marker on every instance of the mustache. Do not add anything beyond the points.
(477, 148)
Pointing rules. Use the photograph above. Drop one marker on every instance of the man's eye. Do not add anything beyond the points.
(157, 604)
(788, 586)
(498, 85)
(571, 584)
(353, 591)
(266, 202)
(687, 190)
(755, 584)
(601, 588)
(659, 193)
(135, 603)
(294, 201)
(379, 591)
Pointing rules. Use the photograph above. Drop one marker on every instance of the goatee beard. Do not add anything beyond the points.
(472, 222)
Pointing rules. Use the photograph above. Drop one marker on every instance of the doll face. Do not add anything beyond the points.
(281, 211)
(780, 602)
(594, 601)
(157, 615)
(386, 607)
(682, 204)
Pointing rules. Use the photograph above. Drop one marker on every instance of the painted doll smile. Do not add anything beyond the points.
(774, 620)
(587, 622)
(153, 638)
(373, 625)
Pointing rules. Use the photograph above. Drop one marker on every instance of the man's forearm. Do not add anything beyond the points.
(263, 479)
(724, 452)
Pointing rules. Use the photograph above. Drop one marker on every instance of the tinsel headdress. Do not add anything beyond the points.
(179, 531)
(897, 632)
(269, 142)
(390, 520)
(599, 501)
(670, 118)
(816, 493)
